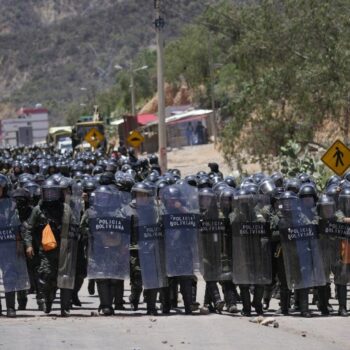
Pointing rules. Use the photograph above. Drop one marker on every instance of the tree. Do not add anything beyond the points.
(285, 70)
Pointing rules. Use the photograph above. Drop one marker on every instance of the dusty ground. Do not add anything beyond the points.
(136, 331)
(192, 159)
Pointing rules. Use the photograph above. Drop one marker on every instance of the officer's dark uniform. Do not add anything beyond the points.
(108, 288)
(50, 211)
(22, 198)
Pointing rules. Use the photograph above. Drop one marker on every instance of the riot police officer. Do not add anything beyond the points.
(301, 251)
(108, 234)
(251, 250)
(52, 214)
(211, 242)
(12, 259)
(180, 205)
(341, 266)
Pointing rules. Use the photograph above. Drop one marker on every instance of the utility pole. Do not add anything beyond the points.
(212, 89)
(132, 88)
(162, 136)
(347, 121)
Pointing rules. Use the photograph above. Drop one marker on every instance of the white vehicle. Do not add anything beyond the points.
(65, 145)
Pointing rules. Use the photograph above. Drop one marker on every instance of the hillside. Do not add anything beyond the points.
(51, 48)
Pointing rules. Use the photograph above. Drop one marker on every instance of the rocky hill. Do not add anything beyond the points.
(49, 49)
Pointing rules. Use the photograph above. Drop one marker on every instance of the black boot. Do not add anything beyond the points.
(284, 302)
(207, 305)
(257, 299)
(322, 303)
(22, 299)
(329, 296)
(215, 296)
(151, 297)
(118, 293)
(105, 295)
(245, 296)
(174, 291)
(195, 304)
(40, 300)
(296, 305)
(267, 297)
(66, 298)
(229, 290)
(79, 280)
(75, 298)
(91, 287)
(134, 297)
(342, 295)
(165, 299)
(303, 297)
(48, 296)
(186, 291)
(10, 304)
(44, 296)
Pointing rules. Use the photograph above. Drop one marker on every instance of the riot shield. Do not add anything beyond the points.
(151, 243)
(341, 263)
(226, 206)
(212, 230)
(69, 239)
(108, 251)
(300, 245)
(13, 267)
(327, 244)
(338, 251)
(251, 242)
(327, 233)
(180, 221)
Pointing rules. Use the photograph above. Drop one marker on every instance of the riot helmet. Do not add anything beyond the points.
(326, 207)
(51, 191)
(277, 178)
(141, 192)
(230, 180)
(207, 201)
(308, 196)
(293, 184)
(288, 202)
(226, 197)
(344, 201)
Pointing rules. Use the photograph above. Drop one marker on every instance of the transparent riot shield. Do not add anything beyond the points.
(300, 246)
(151, 243)
(341, 231)
(338, 251)
(327, 243)
(327, 233)
(108, 252)
(251, 242)
(213, 265)
(226, 203)
(13, 267)
(70, 236)
(180, 221)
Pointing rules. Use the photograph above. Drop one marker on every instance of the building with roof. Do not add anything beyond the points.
(30, 127)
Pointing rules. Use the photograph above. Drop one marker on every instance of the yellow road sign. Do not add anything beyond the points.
(94, 137)
(337, 157)
(135, 139)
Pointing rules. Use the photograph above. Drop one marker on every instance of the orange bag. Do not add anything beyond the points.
(345, 252)
(48, 240)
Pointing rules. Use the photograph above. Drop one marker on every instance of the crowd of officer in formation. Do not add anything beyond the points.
(115, 218)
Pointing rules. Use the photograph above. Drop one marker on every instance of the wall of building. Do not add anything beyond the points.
(39, 123)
